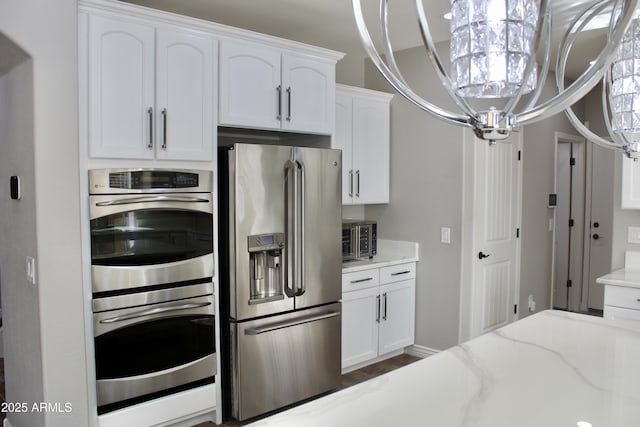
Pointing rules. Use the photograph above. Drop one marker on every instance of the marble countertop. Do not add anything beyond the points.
(552, 369)
(390, 252)
(622, 277)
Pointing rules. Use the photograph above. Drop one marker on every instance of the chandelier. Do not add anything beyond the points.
(493, 57)
(620, 87)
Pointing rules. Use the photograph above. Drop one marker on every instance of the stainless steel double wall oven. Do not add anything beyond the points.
(152, 268)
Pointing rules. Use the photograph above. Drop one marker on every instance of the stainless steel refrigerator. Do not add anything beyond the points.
(280, 239)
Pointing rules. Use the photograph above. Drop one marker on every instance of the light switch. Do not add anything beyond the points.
(31, 270)
(445, 235)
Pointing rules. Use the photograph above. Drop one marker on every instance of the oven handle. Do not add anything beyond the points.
(145, 199)
(153, 311)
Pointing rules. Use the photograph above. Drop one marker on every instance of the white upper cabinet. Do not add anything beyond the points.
(250, 90)
(267, 88)
(362, 132)
(150, 91)
(185, 90)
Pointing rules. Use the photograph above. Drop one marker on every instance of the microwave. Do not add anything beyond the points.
(359, 239)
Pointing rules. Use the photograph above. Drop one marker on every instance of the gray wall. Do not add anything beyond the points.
(426, 194)
(22, 350)
(44, 334)
(538, 181)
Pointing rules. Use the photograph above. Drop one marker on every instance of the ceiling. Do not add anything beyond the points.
(330, 23)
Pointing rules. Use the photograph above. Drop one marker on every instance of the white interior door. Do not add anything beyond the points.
(569, 292)
(495, 222)
(601, 222)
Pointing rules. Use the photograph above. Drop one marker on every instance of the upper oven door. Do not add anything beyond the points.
(151, 239)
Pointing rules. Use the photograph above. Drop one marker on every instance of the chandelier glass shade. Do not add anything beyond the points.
(491, 44)
(494, 44)
(625, 83)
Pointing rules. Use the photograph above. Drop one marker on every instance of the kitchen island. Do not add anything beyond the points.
(550, 369)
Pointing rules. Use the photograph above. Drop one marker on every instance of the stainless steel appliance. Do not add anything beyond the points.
(359, 239)
(281, 270)
(152, 268)
(149, 227)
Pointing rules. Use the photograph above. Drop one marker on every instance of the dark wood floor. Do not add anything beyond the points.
(348, 380)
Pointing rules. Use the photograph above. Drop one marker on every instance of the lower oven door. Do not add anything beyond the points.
(149, 350)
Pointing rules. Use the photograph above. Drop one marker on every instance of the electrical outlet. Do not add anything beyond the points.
(633, 235)
(531, 304)
(31, 270)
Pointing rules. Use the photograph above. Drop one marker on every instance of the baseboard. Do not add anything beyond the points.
(420, 351)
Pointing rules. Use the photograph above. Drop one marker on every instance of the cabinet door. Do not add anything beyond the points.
(250, 90)
(121, 88)
(371, 151)
(342, 138)
(185, 95)
(397, 324)
(308, 90)
(359, 326)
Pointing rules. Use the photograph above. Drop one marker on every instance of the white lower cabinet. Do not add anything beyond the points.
(621, 302)
(378, 312)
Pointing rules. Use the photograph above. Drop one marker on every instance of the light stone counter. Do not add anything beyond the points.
(622, 277)
(552, 369)
(390, 252)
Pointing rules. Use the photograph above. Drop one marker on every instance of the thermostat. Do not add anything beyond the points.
(16, 191)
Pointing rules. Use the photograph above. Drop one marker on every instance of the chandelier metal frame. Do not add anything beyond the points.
(495, 124)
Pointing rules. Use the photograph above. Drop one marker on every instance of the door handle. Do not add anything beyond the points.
(483, 255)
(596, 236)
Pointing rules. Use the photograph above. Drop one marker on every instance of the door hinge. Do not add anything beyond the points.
(517, 233)
(569, 283)
(519, 155)
(515, 309)
(571, 222)
(572, 161)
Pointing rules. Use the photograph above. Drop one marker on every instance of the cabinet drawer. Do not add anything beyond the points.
(616, 313)
(619, 296)
(399, 272)
(360, 280)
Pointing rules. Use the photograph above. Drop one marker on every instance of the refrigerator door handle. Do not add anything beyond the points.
(300, 237)
(289, 226)
(289, 323)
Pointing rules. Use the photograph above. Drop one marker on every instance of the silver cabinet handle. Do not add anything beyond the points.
(351, 183)
(279, 94)
(384, 316)
(146, 199)
(150, 115)
(289, 104)
(288, 323)
(153, 311)
(362, 280)
(164, 128)
(358, 183)
(378, 308)
(401, 272)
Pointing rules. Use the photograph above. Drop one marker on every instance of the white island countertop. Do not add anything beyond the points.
(552, 369)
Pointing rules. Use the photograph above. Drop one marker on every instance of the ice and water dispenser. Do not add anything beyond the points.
(266, 257)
